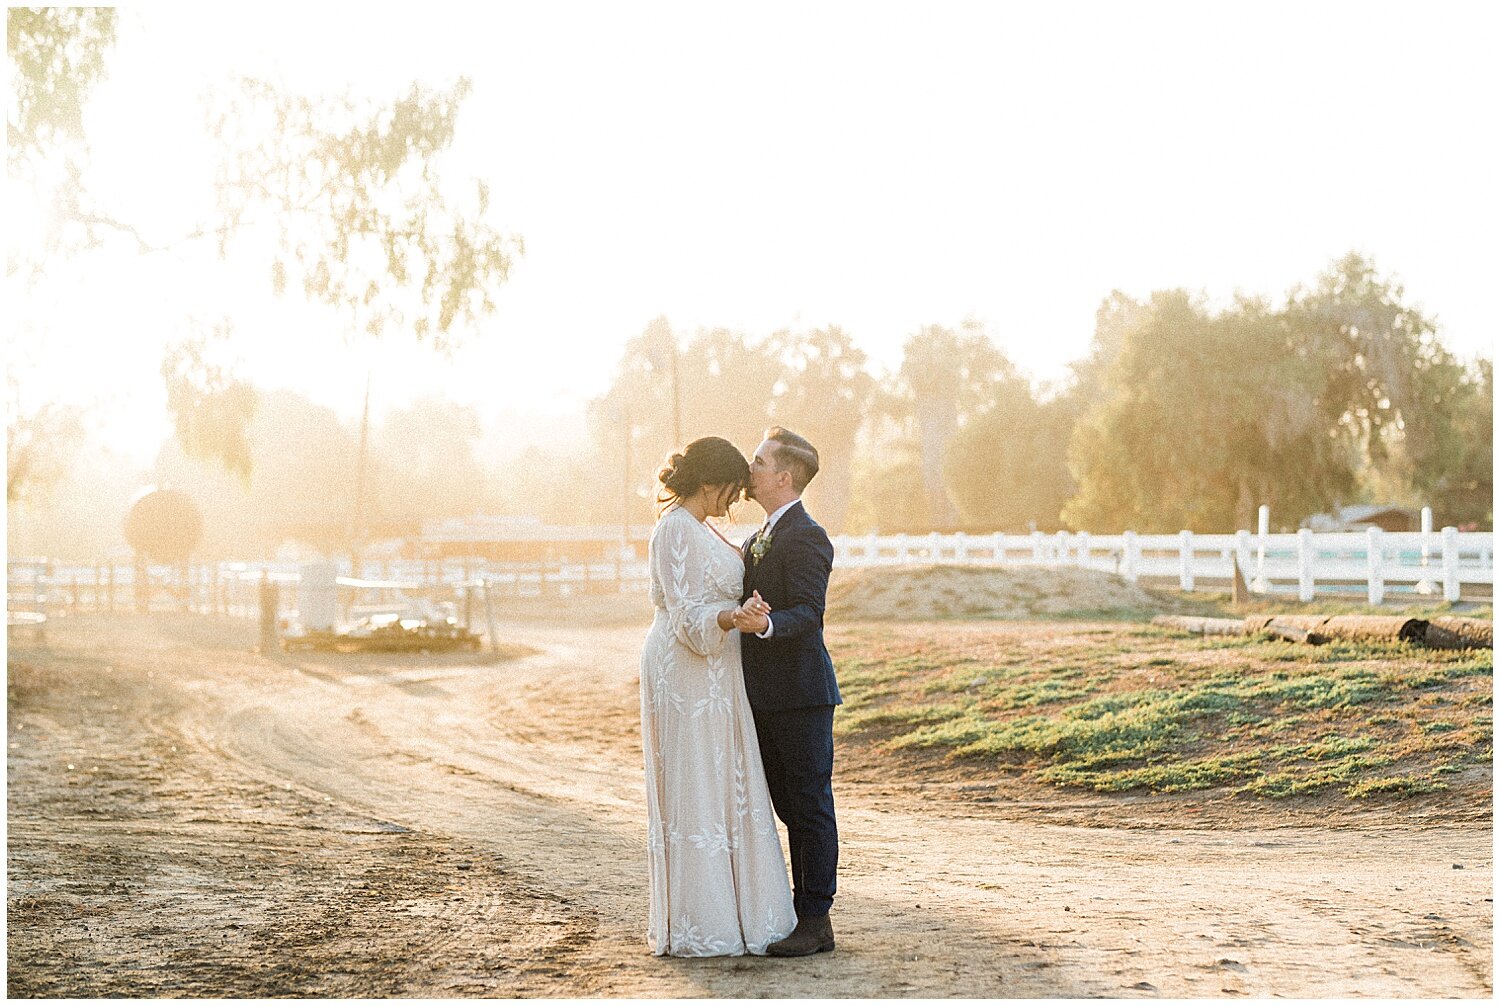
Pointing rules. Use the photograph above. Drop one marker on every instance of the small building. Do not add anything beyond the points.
(528, 540)
(1362, 517)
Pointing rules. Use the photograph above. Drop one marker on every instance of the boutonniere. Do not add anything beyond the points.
(759, 547)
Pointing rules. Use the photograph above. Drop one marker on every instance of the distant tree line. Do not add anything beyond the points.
(1180, 416)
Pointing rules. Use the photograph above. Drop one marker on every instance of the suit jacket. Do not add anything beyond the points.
(792, 669)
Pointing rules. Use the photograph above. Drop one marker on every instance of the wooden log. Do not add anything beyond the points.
(1309, 622)
(1293, 633)
(1258, 623)
(1453, 633)
(1449, 632)
(1201, 626)
(1381, 628)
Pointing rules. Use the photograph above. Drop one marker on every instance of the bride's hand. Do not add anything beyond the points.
(752, 616)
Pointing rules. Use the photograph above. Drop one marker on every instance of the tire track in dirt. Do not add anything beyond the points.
(918, 915)
(489, 817)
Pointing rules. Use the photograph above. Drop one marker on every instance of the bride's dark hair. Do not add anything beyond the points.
(707, 461)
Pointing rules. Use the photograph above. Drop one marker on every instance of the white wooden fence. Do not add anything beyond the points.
(1425, 563)
(1437, 562)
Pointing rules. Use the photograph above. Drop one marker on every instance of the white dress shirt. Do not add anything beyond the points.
(770, 526)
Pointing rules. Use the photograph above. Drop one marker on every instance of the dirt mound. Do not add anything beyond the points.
(920, 593)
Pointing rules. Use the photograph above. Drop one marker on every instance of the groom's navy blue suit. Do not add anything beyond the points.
(790, 682)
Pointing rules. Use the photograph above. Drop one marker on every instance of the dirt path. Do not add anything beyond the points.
(187, 818)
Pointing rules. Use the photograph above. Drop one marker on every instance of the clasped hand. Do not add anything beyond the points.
(754, 615)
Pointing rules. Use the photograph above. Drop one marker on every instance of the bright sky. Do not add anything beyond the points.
(877, 166)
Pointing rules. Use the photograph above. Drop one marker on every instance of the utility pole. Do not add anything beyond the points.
(676, 401)
(625, 489)
(356, 543)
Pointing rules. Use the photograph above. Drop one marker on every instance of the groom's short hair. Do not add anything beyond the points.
(794, 454)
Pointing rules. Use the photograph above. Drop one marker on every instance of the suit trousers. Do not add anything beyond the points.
(796, 747)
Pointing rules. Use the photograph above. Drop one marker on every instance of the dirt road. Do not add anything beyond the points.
(189, 818)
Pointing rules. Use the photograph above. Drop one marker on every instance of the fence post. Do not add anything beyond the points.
(270, 604)
(997, 548)
(960, 549)
(1375, 553)
(1450, 564)
(1037, 546)
(41, 585)
(934, 547)
(1242, 550)
(489, 611)
(872, 549)
(1304, 565)
(1425, 585)
(1060, 548)
(1263, 528)
(1083, 549)
(1185, 559)
(1130, 557)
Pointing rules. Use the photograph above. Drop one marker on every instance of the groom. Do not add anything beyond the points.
(789, 677)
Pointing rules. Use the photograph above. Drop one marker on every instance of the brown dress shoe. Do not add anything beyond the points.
(812, 936)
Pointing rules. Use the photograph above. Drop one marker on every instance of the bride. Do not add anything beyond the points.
(717, 880)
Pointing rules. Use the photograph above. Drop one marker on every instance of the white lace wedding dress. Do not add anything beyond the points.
(718, 881)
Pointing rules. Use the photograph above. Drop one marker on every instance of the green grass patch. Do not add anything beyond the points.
(1130, 708)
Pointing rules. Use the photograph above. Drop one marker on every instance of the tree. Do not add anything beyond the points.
(427, 461)
(1195, 418)
(57, 55)
(301, 455)
(1442, 454)
(1461, 486)
(1006, 468)
(887, 489)
(364, 220)
(1354, 330)
(212, 409)
(39, 447)
(725, 386)
(945, 378)
(78, 513)
(1188, 430)
(822, 394)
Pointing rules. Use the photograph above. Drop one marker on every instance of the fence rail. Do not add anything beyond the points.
(43, 587)
(1438, 563)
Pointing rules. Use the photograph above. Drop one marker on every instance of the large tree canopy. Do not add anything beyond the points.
(823, 395)
(364, 218)
(1194, 418)
(946, 376)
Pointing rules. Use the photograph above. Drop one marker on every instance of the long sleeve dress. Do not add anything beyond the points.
(717, 878)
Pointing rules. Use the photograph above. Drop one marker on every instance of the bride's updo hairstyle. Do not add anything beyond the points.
(707, 461)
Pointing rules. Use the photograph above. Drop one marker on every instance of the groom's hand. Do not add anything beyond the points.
(746, 622)
(753, 615)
